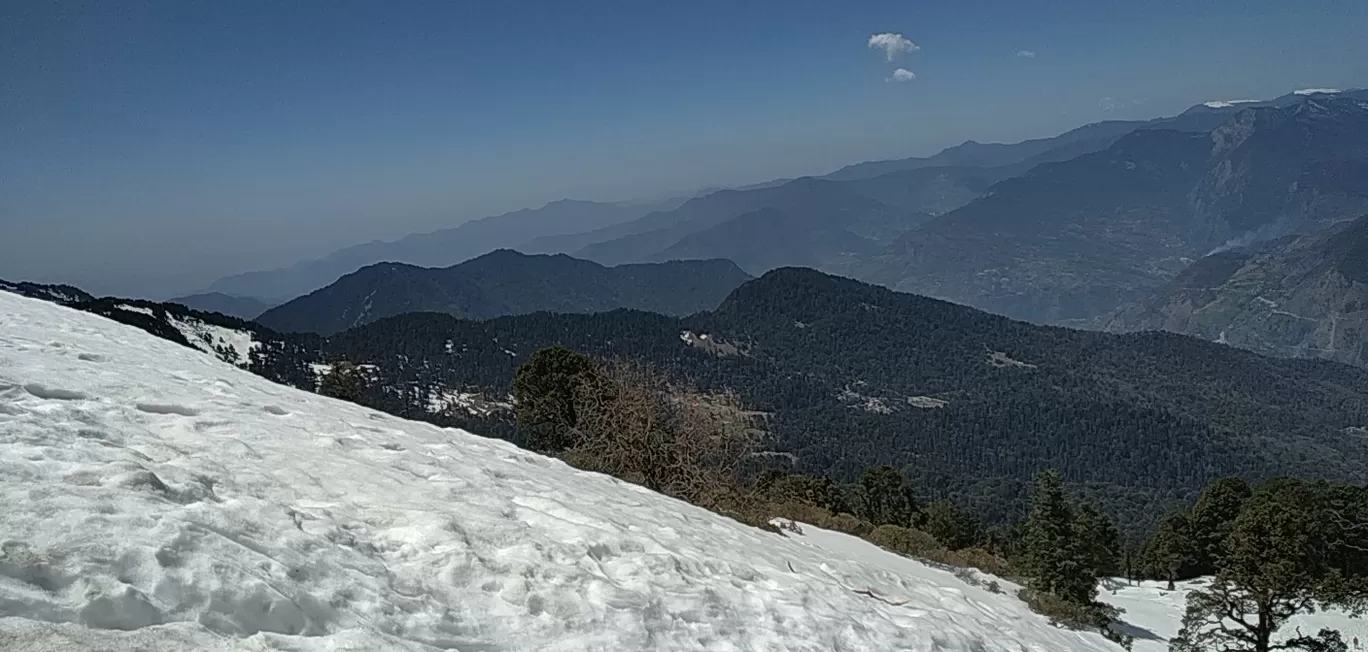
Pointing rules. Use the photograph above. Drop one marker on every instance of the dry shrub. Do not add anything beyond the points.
(906, 541)
(977, 558)
(671, 439)
(849, 524)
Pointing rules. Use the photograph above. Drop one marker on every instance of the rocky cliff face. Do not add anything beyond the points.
(1304, 297)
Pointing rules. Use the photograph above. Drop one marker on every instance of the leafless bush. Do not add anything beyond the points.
(671, 439)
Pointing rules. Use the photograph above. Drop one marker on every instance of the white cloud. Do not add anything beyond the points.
(1026, 54)
(1108, 104)
(902, 75)
(892, 44)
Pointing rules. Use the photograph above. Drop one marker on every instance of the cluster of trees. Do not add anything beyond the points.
(1284, 548)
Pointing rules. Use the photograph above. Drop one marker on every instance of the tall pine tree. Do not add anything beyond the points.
(1213, 518)
(1055, 558)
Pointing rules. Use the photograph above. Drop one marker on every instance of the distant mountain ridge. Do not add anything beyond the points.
(507, 282)
(240, 307)
(1304, 297)
(1070, 242)
(909, 191)
(438, 248)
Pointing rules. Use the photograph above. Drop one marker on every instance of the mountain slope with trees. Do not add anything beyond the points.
(970, 404)
(1303, 297)
(1070, 242)
(850, 376)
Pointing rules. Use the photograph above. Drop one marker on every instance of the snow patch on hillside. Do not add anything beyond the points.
(472, 403)
(158, 499)
(231, 345)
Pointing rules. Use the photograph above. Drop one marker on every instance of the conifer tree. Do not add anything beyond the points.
(1172, 548)
(1213, 518)
(953, 528)
(1054, 556)
(1099, 538)
(885, 498)
(343, 381)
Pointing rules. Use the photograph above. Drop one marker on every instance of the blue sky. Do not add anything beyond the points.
(201, 138)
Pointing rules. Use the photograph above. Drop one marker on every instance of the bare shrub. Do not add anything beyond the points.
(671, 439)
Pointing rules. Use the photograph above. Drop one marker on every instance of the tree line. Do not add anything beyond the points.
(1273, 551)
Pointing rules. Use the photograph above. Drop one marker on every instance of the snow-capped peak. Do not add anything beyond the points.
(1226, 104)
(159, 499)
(1316, 91)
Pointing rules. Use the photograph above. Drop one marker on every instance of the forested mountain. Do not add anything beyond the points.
(240, 307)
(1303, 297)
(851, 375)
(1070, 242)
(440, 248)
(506, 282)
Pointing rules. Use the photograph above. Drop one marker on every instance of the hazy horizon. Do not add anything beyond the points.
(147, 149)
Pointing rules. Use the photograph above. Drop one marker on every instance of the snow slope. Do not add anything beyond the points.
(1153, 616)
(156, 498)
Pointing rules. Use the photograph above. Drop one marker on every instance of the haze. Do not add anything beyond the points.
(147, 148)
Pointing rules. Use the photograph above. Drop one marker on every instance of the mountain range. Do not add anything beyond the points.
(506, 282)
(570, 226)
(1068, 243)
(1301, 296)
(439, 248)
(851, 375)
(240, 307)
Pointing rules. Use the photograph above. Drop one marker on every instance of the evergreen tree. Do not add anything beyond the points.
(1055, 558)
(885, 498)
(953, 528)
(343, 381)
(1100, 540)
(1172, 548)
(1290, 551)
(548, 391)
(1213, 517)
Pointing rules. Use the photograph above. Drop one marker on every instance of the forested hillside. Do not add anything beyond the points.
(970, 405)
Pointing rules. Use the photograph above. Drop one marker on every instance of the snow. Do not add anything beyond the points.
(1153, 615)
(210, 339)
(1226, 104)
(156, 498)
(140, 309)
(473, 403)
(1316, 91)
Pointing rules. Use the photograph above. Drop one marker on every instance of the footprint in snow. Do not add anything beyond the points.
(276, 410)
(92, 357)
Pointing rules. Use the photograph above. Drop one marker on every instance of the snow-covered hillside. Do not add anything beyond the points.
(156, 498)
